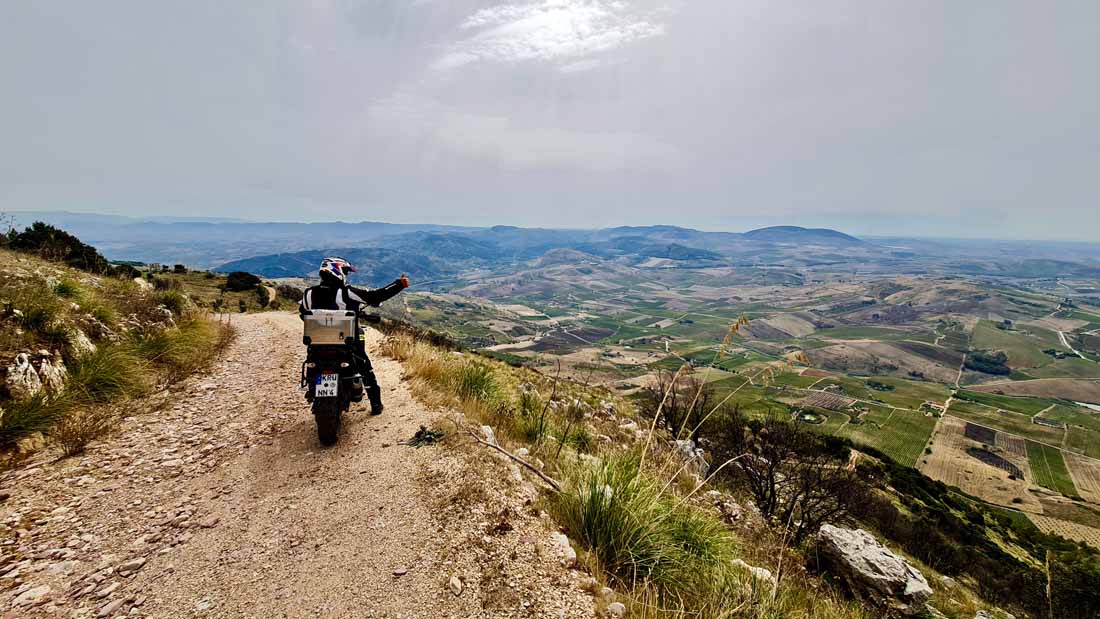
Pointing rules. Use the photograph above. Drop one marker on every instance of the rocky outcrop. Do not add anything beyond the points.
(22, 380)
(80, 344)
(760, 574)
(53, 373)
(694, 458)
(872, 571)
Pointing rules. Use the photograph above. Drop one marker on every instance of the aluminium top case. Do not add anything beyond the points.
(329, 327)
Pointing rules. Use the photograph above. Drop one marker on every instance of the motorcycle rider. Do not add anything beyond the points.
(334, 293)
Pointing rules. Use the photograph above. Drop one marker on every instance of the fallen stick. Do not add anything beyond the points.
(546, 478)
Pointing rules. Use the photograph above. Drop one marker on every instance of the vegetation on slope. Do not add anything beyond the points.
(645, 524)
(648, 529)
(84, 341)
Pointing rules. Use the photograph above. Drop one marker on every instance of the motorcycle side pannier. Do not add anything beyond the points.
(329, 327)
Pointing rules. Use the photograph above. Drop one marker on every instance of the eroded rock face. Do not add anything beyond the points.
(53, 374)
(80, 343)
(22, 380)
(872, 571)
(694, 458)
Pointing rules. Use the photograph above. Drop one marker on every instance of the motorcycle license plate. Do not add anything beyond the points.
(326, 385)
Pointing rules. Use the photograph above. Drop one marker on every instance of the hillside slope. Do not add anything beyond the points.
(221, 504)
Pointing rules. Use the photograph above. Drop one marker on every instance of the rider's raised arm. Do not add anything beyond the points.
(375, 296)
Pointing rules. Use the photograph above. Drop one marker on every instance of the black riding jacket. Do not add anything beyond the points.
(328, 297)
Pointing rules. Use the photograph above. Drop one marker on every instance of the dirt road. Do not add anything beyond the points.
(1065, 342)
(222, 504)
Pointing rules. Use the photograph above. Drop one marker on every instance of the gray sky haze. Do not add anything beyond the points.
(874, 117)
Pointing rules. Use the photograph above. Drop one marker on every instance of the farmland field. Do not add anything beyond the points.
(899, 434)
(1070, 389)
(1024, 349)
(883, 345)
(953, 461)
(1049, 469)
(1086, 476)
(1069, 530)
(1081, 440)
(1015, 423)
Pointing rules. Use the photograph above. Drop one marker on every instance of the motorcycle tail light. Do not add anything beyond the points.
(345, 364)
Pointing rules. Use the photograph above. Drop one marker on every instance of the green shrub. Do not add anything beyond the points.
(167, 283)
(184, 349)
(642, 537)
(25, 417)
(55, 244)
(41, 311)
(109, 373)
(476, 381)
(239, 281)
(174, 300)
(68, 289)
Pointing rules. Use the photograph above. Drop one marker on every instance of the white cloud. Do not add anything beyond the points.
(549, 31)
(431, 131)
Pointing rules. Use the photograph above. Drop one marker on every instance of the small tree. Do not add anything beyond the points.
(798, 478)
(687, 401)
(242, 306)
(55, 244)
(179, 268)
(239, 281)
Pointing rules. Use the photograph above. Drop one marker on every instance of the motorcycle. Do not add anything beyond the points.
(330, 374)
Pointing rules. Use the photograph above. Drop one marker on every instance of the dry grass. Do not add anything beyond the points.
(673, 558)
(73, 433)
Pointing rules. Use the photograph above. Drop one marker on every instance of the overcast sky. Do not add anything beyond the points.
(976, 118)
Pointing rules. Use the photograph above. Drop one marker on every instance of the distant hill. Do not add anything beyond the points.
(796, 234)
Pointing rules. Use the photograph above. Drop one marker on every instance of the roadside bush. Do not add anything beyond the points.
(25, 417)
(239, 281)
(109, 373)
(188, 347)
(645, 538)
(476, 381)
(174, 300)
(167, 283)
(80, 427)
(291, 293)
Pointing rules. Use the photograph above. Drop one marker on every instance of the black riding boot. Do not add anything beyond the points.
(370, 385)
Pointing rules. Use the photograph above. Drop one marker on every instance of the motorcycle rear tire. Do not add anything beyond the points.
(326, 411)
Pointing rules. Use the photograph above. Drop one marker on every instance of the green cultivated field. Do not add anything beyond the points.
(1024, 350)
(899, 434)
(1084, 441)
(1025, 406)
(1014, 423)
(906, 393)
(1049, 469)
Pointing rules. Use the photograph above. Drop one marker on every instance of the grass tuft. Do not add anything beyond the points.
(109, 373)
(476, 381)
(639, 535)
(80, 427)
(186, 348)
(23, 418)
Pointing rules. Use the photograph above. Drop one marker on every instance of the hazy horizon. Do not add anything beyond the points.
(939, 119)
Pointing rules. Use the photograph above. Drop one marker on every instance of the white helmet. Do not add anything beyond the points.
(335, 270)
